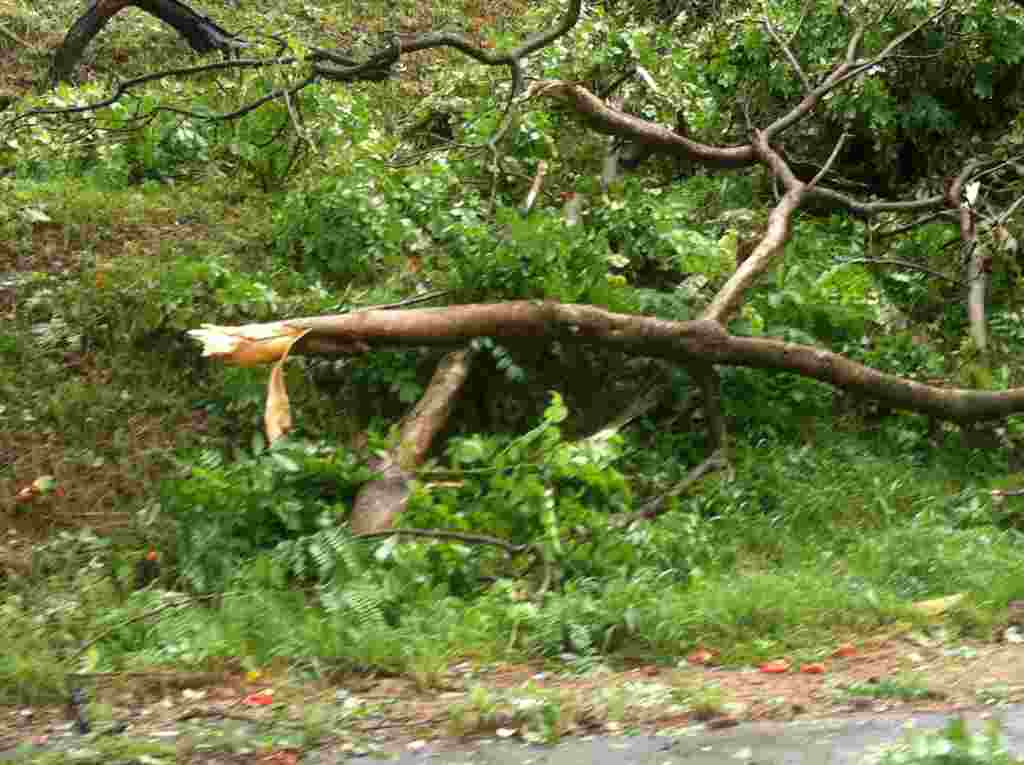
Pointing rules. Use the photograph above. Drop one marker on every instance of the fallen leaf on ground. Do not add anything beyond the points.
(776, 666)
(937, 606)
(282, 757)
(845, 651)
(259, 699)
(700, 656)
(815, 668)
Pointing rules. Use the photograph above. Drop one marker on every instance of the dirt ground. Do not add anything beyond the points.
(889, 674)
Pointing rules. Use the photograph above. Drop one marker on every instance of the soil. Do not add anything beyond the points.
(902, 674)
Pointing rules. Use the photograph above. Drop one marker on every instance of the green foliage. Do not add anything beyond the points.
(926, 562)
(395, 372)
(954, 745)
(158, 150)
(226, 513)
(904, 688)
(533, 487)
(831, 519)
(344, 229)
(524, 257)
(122, 302)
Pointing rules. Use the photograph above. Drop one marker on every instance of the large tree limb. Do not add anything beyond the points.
(380, 501)
(772, 243)
(686, 342)
(202, 34)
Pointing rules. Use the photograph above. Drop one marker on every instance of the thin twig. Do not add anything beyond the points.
(1007, 492)
(460, 536)
(299, 128)
(788, 52)
(901, 264)
(659, 505)
(829, 162)
(187, 600)
(879, 234)
(539, 554)
(407, 302)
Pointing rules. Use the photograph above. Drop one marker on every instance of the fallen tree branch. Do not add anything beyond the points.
(380, 501)
(772, 244)
(202, 33)
(660, 504)
(639, 407)
(602, 118)
(686, 342)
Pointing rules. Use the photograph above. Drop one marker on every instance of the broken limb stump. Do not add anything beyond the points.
(380, 501)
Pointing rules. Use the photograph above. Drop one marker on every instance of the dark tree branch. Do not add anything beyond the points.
(202, 34)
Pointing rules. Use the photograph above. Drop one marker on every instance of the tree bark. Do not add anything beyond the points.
(977, 264)
(380, 501)
(686, 342)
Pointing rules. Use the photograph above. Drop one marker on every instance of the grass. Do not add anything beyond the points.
(903, 688)
(956, 744)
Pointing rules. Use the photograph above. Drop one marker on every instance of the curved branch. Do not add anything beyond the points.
(343, 68)
(660, 504)
(787, 51)
(604, 119)
(126, 86)
(867, 210)
(850, 68)
(772, 243)
(202, 34)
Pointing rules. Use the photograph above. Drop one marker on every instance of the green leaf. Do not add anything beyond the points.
(556, 411)
(286, 463)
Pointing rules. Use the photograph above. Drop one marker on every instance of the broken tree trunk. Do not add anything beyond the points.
(380, 501)
(200, 32)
